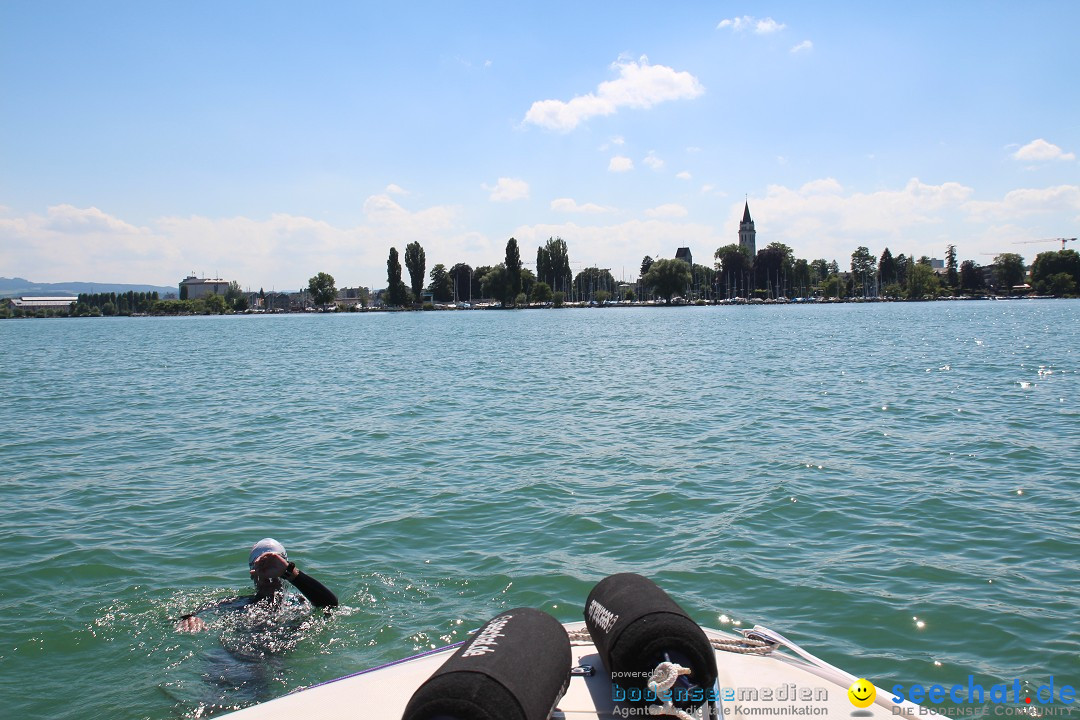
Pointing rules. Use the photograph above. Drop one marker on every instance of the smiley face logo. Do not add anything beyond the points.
(862, 693)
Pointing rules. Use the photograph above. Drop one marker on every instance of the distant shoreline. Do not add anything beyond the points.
(740, 302)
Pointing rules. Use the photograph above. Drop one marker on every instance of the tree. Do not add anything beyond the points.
(971, 276)
(541, 292)
(553, 264)
(904, 264)
(772, 266)
(462, 277)
(235, 298)
(560, 264)
(414, 261)
(322, 289)
(819, 271)
(215, 304)
(923, 281)
(1060, 285)
(887, 268)
(863, 270)
(183, 292)
(442, 288)
(1050, 264)
(396, 292)
(646, 263)
(733, 262)
(496, 284)
(951, 276)
(513, 267)
(702, 279)
(528, 279)
(667, 277)
(1010, 270)
(478, 279)
(833, 286)
(800, 276)
(592, 279)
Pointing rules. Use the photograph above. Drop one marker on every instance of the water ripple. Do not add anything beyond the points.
(893, 486)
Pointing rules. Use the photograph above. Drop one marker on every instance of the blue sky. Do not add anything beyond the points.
(267, 141)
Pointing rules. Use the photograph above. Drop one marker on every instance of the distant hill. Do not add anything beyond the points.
(15, 287)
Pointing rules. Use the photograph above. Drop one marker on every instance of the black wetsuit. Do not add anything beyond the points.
(316, 593)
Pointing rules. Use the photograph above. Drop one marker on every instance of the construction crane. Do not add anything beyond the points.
(1060, 240)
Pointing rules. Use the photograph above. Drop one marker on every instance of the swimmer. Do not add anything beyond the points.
(268, 565)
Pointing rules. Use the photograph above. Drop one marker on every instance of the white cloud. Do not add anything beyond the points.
(884, 212)
(618, 140)
(1026, 202)
(824, 219)
(685, 175)
(668, 210)
(746, 22)
(619, 163)
(768, 25)
(66, 243)
(395, 189)
(639, 85)
(508, 190)
(570, 205)
(804, 46)
(736, 23)
(70, 219)
(1042, 151)
(653, 162)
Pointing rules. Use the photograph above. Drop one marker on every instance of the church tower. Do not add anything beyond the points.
(747, 236)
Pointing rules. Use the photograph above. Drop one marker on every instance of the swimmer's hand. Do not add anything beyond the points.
(270, 565)
(191, 624)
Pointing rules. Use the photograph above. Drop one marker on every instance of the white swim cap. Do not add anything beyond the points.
(266, 545)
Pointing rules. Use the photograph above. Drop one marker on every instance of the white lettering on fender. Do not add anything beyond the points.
(486, 641)
(604, 618)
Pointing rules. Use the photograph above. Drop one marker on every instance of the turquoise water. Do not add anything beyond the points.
(833, 472)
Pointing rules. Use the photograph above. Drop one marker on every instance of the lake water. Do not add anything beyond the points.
(895, 487)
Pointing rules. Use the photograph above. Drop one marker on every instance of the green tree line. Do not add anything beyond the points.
(774, 272)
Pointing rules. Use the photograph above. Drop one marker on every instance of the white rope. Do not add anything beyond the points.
(745, 646)
(661, 680)
(579, 637)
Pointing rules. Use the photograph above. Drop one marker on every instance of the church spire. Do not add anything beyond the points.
(747, 235)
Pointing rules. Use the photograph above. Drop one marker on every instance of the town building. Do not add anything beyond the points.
(747, 235)
(276, 302)
(684, 254)
(193, 288)
(29, 303)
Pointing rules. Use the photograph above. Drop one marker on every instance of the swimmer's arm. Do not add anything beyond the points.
(317, 594)
(192, 623)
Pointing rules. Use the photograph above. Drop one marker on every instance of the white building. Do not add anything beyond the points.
(193, 288)
(42, 303)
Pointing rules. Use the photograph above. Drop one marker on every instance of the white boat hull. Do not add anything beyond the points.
(785, 684)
